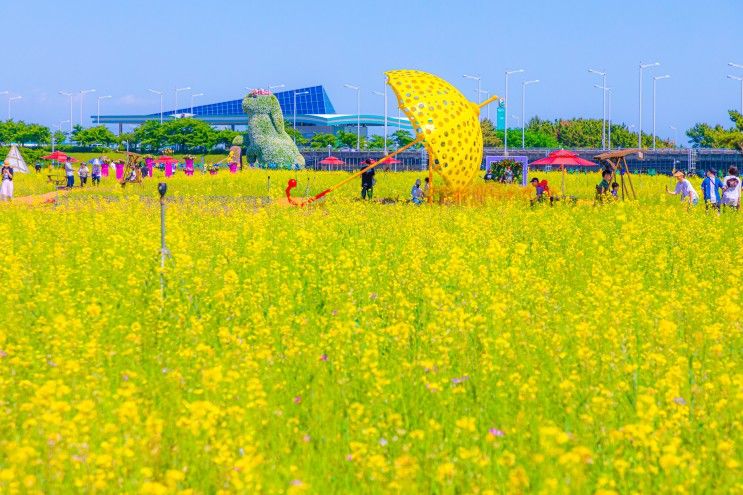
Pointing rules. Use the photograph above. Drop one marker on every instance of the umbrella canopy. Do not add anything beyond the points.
(446, 120)
(165, 159)
(564, 158)
(390, 161)
(57, 155)
(95, 161)
(331, 160)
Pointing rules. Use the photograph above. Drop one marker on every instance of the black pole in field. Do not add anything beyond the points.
(162, 188)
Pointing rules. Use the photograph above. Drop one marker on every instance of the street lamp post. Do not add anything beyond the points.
(478, 91)
(178, 90)
(70, 96)
(523, 110)
(379, 93)
(358, 114)
(11, 100)
(295, 112)
(608, 112)
(741, 89)
(505, 125)
(83, 92)
(603, 105)
(196, 95)
(656, 79)
(98, 118)
(639, 122)
(161, 102)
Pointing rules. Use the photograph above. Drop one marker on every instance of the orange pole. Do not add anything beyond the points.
(352, 177)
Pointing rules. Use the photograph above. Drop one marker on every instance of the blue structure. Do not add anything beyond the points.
(315, 113)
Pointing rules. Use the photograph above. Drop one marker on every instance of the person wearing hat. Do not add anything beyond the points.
(731, 189)
(684, 189)
(711, 186)
(69, 173)
(6, 186)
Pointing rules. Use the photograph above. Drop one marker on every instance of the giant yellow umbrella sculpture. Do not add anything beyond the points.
(445, 122)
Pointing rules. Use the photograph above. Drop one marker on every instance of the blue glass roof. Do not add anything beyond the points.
(313, 100)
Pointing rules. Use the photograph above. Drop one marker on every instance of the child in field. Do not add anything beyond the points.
(731, 189)
(541, 190)
(684, 189)
(615, 190)
(603, 187)
(83, 172)
(711, 186)
(416, 192)
(96, 174)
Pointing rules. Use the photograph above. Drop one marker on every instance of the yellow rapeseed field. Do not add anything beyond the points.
(356, 347)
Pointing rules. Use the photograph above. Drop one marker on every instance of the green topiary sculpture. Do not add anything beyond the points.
(267, 141)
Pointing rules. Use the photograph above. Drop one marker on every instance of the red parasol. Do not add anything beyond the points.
(57, 155)
(331, 160)
(564, 158)
(166, 160)
(391, 161)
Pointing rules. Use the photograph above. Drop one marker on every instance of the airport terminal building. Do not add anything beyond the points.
(315, 114)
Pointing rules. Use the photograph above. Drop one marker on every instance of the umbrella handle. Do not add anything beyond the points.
(293, 183)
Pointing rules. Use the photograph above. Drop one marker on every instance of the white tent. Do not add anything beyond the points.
(15, 160)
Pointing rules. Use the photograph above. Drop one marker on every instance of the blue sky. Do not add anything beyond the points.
(220, 47)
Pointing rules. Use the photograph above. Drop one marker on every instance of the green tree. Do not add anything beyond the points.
(149, 135)
(59, 137)
(489, 136)
(225, 137)
(321, 140)
(401, 138)
(705, 136)
(376, 142)
(295, 135)
(346, 139)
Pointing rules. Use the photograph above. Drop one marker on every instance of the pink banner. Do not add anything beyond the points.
(150, 166)
(119, 171)
(168, 169)
(233, 168)
(189, 166)
(104, 170)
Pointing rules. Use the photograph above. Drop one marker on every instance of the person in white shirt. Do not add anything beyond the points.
(731, 189)
(684, 189)
(70, 173)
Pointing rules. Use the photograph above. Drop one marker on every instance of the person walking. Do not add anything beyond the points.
(95, 174)
(731, 189)
(70, 174)
(684, 189)
(6, 186)
(711, 186)
(367, 180)
(83, 173)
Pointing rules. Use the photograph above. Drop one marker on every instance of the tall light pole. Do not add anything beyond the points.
(295, 112)
(98, 119)
(11, 100)
(83, 92)
(70, 96)
(656, 79)
(271, 87)
(608, 112)
(741, 89)
(196, 95)
(379, 93)
(523, 110)
(178, 90)
(475, 78)
(505, 125)
(603, 105)
(358, 114)
(161, 102)
(737, 66)
(639, 122)
(487, 95)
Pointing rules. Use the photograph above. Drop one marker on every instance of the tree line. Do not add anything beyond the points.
(196, 135)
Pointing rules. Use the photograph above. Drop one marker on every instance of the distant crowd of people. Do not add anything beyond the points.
(717, 193)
